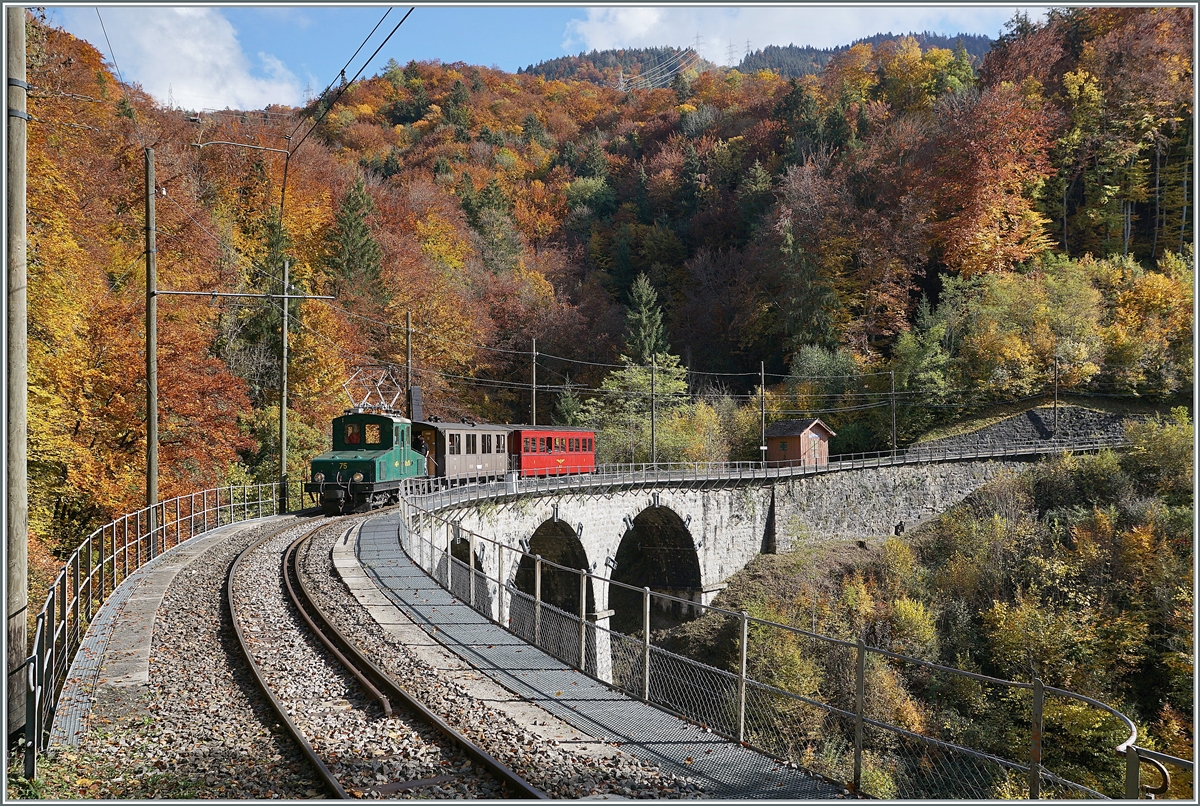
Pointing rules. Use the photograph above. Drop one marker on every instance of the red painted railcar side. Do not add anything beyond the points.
(552, 451)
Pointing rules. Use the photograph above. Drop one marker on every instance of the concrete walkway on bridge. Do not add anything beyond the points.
(111, 671)
(724, 768)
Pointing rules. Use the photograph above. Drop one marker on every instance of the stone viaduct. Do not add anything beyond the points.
(686, 538)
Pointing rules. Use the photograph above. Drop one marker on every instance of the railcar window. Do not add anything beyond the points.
(487, 444)
(543, 444)
(471, 442)
(372, 434)
(455, 444)
(353, 434)
(526, 447)
(560, 445)
(588, 442)
(500, 443)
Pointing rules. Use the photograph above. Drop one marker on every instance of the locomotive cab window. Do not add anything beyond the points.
(373, 434)
(353, 434)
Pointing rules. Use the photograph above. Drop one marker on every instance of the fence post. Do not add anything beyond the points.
(741, 729)
(89, 576)
(582, 620)
(449, 559)
(178, 522)
(74, 599)
(152, 531)
(471, 560)
(500, 583)
(1133, 773)
(31, 712)
(537, 600)
(646, 644)
(103, 562)
(860, 684)
(1035, 749)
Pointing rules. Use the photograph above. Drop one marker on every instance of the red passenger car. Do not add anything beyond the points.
(551, 450)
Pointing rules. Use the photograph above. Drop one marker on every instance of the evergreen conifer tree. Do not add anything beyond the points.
(646, 335)
(353, 255)
(569, 409)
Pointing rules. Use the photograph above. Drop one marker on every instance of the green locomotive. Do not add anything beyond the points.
(372, 455)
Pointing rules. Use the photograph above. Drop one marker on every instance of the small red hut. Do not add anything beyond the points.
(796, 443)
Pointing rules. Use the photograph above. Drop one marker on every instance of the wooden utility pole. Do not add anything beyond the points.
(1056, 393)
(151, 344)
(16, 477)
(653, 411)
(408, 361)
(533, 407)
(283, 355)
(893, 374)
(762, 410)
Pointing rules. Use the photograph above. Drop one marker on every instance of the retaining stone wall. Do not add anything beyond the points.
(1075, 423)
(870, 502)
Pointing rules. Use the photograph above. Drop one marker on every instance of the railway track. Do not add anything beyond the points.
(362, 732)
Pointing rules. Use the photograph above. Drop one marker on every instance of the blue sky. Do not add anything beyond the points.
(247, 57)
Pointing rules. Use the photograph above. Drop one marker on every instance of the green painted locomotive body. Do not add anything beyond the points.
(372, 455)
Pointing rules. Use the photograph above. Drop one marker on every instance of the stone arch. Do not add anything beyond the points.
(657, 552)
(460, 549)
(458, 578)
(556, 542)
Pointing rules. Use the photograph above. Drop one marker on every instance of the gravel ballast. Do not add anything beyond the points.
(201, 723)
(362, 747)
(561, 769)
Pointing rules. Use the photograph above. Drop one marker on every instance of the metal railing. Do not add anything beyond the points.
(98, 566)
(438, 492)
(835, 723)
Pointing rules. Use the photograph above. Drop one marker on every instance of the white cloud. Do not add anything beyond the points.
(823, 26)
(191, 53)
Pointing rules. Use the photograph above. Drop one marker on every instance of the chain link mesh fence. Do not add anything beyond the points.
(886, 724)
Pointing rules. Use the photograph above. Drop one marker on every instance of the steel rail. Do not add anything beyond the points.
(330, 780)
(298, 593)
(380, 681)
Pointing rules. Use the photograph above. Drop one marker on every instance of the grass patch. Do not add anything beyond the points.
(83, 775)
(779, 579)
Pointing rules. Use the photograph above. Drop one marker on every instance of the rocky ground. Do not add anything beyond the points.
(561, 769)
(1075, 424)
(201, 729)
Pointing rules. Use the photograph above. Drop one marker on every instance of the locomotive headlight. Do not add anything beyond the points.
(318, 477)
(357, 477)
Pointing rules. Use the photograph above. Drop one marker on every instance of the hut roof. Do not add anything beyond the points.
(792, 428)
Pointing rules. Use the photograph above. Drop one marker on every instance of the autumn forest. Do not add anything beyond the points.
(957, 226)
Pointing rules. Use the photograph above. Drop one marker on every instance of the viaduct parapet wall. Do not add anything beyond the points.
(727, 526)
